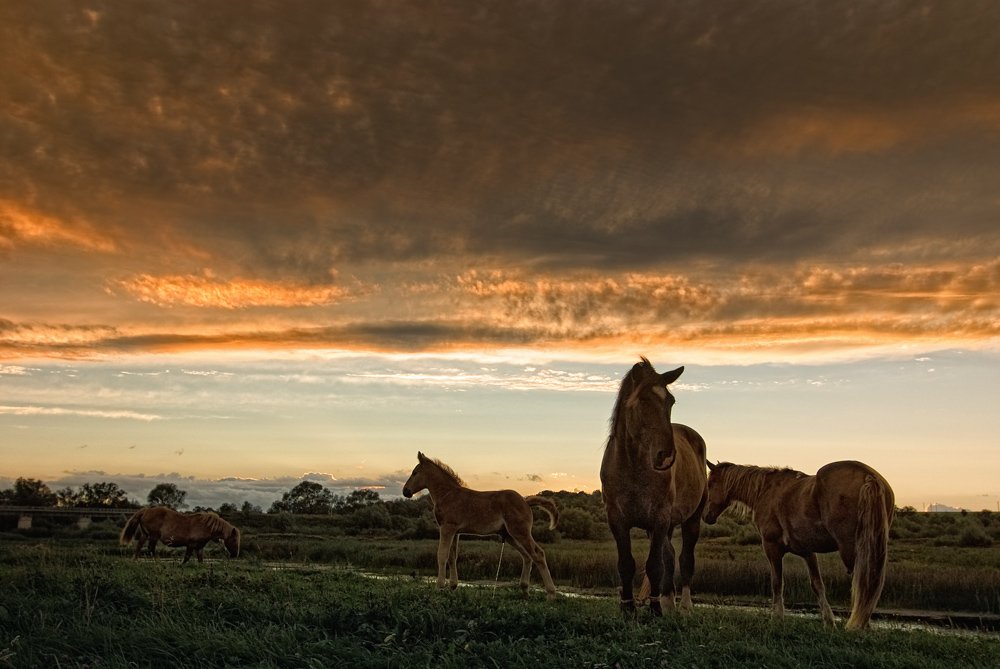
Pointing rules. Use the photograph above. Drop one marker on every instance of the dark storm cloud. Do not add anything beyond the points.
(288, 138)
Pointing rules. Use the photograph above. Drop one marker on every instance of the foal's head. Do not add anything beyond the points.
(418, 477)
(646, 412)
(429, 473)
(718, 492)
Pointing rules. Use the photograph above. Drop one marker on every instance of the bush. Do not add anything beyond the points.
(975, 536)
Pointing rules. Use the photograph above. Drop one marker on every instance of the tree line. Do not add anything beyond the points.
(362, 510)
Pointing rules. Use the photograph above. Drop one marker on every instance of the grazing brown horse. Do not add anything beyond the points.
(653, 477)
(191, 530)
(847, 507)
(459, 510)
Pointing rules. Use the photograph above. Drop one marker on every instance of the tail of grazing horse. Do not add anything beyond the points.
(871, 547)
(546, 505)
(131, 528)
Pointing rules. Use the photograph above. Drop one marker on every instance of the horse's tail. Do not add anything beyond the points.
(130, 529)
(546, 505)
(871, 547)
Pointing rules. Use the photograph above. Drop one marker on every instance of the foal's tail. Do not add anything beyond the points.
(131, 528)
(871, 544)
(546, 505)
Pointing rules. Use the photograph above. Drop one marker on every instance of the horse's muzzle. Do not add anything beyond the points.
(407, 493)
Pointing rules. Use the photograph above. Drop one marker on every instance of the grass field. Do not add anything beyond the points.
(83, 604)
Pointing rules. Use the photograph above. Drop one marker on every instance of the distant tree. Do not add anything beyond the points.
(358, 499)
(105, 494)
(167, 494)
(227, 508)
(306, 497)
(29, 492)
(67, 497)
(249, 508)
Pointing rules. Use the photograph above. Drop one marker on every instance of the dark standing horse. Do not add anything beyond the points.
(653, 477)
(847, 507)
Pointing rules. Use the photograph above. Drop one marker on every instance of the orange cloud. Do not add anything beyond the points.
(201, 291)
(21, 225)
(840, 131)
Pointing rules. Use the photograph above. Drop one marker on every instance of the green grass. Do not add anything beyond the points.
(72, 605)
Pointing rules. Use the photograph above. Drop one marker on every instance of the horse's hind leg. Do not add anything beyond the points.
(690, 532)
(527, 545)
(816, 580)
(140, 542)
(453, 563)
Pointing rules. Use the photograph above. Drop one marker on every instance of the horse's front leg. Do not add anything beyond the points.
(187, 554)
(816, 580)
(775, 554)
(626, 566)
(444, 552)
(690, 532)
(658, 571)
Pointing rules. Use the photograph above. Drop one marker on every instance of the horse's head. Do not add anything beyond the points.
(417, 481)
(231, 540)
(718, 492)
(647, 412)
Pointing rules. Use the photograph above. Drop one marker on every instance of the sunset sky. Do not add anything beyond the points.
(243, 244)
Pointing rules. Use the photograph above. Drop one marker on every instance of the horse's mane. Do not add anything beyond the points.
(624, 392)
(748, 482)
(445, 469)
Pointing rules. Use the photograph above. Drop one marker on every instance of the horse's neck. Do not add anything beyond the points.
(748, 488)
(440, 485)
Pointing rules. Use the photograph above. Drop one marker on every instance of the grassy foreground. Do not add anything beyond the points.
(80, 607)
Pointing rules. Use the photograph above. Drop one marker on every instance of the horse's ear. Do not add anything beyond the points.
(711, 467)
(420, 456)
(666, 378)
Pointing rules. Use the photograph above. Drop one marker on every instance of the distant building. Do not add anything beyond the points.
(933, 508)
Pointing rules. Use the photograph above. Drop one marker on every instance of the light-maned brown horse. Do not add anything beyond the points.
(174, 529)
(847, 507)
(460, 510)
(653, 477)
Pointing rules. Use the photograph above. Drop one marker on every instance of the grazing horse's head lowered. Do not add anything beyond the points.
(646, 412)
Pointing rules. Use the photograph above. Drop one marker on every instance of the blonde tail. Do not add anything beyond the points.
(871, 547)
(130, 529)
(546, 505)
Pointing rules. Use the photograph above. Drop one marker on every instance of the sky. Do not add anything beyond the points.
(248, 244)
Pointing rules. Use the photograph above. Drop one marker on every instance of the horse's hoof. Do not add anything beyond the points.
(628, 609)
(655, 608)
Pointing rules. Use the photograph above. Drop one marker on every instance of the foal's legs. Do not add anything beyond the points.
(526, 544)
(626, 565)
(448, 535)
(775, 554)
(817, 585)
(453, 563)
(525, 566)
